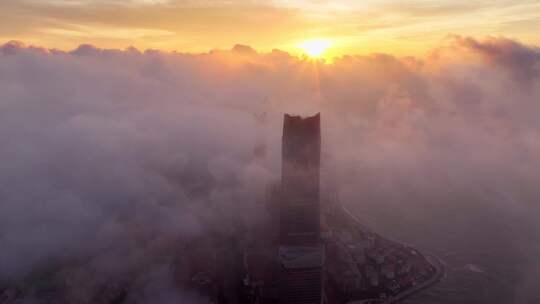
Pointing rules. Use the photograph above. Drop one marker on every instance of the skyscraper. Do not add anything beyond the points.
(301, 254)
(301, 153)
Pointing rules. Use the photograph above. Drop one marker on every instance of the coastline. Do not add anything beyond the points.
(434, 261)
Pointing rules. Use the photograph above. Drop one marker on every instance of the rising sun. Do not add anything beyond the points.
(315, 48)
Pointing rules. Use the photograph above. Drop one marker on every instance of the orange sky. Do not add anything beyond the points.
(353, 27)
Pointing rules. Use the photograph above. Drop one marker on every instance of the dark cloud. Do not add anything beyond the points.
(523, 61)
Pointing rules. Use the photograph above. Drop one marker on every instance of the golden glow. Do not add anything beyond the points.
(330, 28)
(316, 47)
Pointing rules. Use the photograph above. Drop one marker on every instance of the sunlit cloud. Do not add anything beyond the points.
(198, 26)
(116, 33)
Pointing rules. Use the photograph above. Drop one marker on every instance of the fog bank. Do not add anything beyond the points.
(113, 154)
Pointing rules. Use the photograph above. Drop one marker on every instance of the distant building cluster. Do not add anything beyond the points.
(364, 265)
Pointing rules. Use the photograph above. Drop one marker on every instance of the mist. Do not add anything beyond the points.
(112, 155)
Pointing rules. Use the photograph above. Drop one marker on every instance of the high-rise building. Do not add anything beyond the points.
(301, 254)
(299, 203)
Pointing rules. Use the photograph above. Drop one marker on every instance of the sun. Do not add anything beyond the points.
(316, 47)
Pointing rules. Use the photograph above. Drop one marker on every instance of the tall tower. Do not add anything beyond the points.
(300, 175)
(301, 254)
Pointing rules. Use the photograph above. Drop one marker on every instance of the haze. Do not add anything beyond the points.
(405, 28)
(127, 127)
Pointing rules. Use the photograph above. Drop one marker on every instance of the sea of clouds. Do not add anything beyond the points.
(114, 153)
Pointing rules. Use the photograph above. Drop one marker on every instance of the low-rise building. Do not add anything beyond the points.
(388, 271)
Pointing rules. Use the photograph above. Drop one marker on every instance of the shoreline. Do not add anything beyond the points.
(436, 262)
(440, 270)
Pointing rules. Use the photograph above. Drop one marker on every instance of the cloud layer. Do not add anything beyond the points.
(117, 153)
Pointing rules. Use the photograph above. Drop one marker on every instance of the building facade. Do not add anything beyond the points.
(301, 253)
